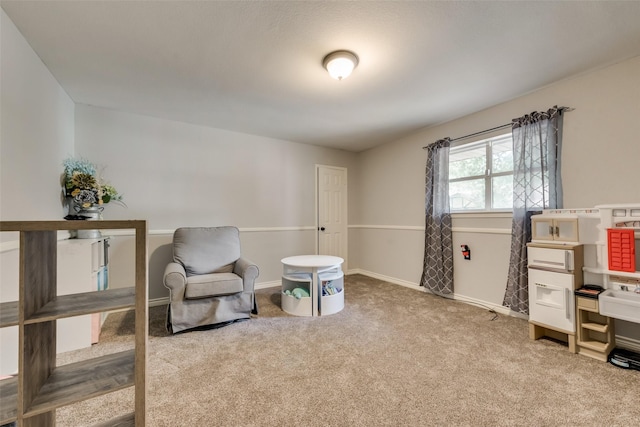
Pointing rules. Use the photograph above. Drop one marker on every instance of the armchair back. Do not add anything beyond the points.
(205, 250)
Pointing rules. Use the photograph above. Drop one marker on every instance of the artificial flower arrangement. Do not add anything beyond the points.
(85, 187)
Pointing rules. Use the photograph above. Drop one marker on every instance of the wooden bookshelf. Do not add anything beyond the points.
(40, 387)
(8, 400)
(83, 380)
(8, 314)
(123, 421)
(84, 303)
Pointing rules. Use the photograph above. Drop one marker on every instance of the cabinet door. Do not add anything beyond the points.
(566, 230)
(551, 299)
(542, 228)
(546, 258)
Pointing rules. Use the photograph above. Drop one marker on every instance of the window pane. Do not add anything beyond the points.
(501, 155)
(467, 194)
(502, 192)
(467, 161)
(474, 166)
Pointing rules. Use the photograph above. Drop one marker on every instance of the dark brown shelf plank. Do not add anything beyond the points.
(76, 382)
(8, 400)
(84, 303)
(8, 314)
(72, 225)
(128, 420)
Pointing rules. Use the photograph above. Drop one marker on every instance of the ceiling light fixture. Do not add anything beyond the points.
(340, 63)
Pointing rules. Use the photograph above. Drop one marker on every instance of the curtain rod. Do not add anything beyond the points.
(494, 128)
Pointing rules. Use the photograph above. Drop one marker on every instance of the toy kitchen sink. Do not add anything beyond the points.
(620, 304)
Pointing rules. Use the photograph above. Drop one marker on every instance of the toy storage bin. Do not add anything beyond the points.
(292, 305)
(331, 304)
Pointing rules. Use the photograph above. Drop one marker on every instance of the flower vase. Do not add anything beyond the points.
(92, 213)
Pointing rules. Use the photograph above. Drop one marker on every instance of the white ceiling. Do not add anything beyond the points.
(256, 66)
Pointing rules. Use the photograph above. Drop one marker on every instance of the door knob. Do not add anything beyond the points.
(321, 228)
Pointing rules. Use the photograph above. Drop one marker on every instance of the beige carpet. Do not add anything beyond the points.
(393, 357)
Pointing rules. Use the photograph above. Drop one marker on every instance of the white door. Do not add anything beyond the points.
(332, 211)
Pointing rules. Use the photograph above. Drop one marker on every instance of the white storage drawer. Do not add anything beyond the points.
(547, 258)
(292, 305)
(330, 304)
(551, 299)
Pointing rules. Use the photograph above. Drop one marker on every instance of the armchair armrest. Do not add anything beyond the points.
(248, 271)
(175, 278)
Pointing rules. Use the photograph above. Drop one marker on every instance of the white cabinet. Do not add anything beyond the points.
(551, 299)
(547, 228)
(555, 271)
(82, 267)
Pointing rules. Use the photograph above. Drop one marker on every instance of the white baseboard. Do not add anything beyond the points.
(265, 285)
(389, 279)
(628, 343)
(158, 301)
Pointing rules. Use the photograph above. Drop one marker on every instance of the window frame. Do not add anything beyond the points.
(487, 176)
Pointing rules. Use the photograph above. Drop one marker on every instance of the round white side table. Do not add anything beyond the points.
(315, 274)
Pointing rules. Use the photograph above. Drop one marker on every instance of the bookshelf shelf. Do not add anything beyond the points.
(83, 380)
(84, 303)
(31, 397)
(8, 314)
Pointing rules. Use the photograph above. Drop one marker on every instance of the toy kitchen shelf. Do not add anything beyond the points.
(595, 332)
(610, 235)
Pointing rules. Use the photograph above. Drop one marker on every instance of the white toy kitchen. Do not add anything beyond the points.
(584, 272)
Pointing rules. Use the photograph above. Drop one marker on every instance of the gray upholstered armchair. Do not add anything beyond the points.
(209, 282)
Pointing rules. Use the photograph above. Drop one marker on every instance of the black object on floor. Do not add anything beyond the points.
(626, 359)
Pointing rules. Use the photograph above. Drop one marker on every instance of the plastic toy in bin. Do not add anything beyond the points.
(328, 288)
(298, 293)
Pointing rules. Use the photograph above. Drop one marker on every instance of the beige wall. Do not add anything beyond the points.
(600, 165)
(176, 174)
(36, 133)
(35, 137)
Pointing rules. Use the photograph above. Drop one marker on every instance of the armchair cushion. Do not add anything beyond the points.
(212, 285)
(206, 250)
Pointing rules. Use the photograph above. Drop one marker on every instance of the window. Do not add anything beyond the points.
(481, 175)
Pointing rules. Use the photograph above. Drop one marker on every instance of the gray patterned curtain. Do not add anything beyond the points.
(437, 272)
(537, 185)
